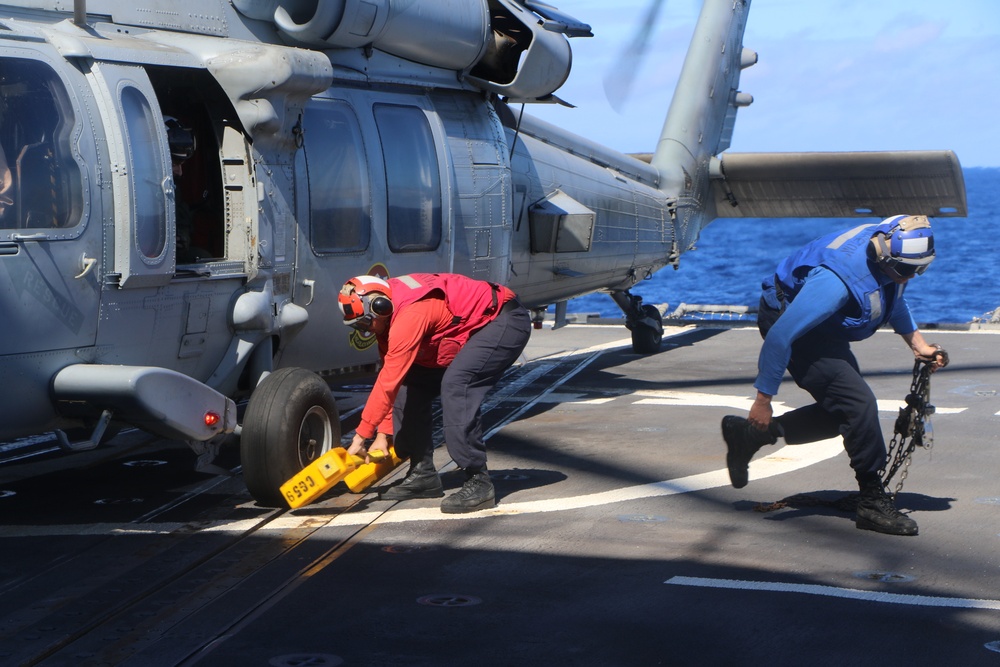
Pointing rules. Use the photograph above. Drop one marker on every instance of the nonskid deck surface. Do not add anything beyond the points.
(617, 539)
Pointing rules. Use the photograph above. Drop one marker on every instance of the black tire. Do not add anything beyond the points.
(290, 421)
(645, 338)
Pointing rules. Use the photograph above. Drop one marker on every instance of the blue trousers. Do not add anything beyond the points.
(462, 387)
(845, 404)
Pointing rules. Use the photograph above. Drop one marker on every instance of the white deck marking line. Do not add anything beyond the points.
(573, 399)
(696, 399)
(786, 459)
(895, 406)
(835, 592)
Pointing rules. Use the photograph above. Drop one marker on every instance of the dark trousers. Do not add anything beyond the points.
(845, 404)
(462, 386)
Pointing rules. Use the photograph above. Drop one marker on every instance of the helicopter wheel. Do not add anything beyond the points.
(646, 337)
(290, 421)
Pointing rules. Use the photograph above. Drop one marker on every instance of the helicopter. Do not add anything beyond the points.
(185, 186)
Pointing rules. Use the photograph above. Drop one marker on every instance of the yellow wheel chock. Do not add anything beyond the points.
(319, 476)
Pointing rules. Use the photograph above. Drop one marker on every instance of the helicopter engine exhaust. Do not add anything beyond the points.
(515, 49)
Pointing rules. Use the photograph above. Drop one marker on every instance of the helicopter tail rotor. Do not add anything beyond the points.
(621, 76)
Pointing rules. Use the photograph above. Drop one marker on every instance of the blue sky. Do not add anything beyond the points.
(832, 75)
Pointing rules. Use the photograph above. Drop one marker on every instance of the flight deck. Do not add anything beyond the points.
(617, 539)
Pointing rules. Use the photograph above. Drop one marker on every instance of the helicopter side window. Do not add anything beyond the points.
(40, 182)
(147, 169)
(413, 178)
(339, 195)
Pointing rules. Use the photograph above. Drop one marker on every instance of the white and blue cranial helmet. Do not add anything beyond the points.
(908, 249)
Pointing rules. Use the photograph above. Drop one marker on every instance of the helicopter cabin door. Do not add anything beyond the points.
(371, 181)
(334, 194)
(50, 232)
(140, 176)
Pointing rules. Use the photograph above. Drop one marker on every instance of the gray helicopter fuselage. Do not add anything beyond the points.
(311, 166)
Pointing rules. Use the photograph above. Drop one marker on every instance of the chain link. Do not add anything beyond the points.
(912, 428)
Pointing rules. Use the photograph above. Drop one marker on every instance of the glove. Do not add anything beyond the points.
(940, 355)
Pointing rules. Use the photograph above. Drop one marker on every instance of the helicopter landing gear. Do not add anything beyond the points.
(207, 451)
(644, 321)
(290, 421)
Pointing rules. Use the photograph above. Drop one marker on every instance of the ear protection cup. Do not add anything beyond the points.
(908, 248)
(381, 306)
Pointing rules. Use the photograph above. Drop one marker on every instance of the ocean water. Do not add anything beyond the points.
(733, 255)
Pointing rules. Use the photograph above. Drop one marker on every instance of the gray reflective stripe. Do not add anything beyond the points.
(846, 236)
(875, 303)
(409, 281)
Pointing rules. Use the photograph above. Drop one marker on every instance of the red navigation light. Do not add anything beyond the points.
(212, 418)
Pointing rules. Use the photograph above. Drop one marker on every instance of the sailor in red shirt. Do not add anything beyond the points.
(439, 334)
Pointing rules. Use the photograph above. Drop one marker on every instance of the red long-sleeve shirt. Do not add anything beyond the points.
(411, 326)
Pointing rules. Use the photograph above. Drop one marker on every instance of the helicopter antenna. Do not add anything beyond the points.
(517, 132)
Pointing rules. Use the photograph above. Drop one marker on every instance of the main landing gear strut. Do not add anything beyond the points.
(644, 321)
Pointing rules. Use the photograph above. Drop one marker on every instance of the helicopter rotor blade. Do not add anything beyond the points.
(621, 76)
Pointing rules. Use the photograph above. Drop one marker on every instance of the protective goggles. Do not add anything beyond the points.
(900, 269)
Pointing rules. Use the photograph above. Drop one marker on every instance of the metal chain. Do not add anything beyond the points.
(912, 424)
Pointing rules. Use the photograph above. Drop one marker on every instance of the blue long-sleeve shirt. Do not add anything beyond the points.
(822, 295)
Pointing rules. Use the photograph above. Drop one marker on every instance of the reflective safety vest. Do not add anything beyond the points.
(873, 294)
(473, 303)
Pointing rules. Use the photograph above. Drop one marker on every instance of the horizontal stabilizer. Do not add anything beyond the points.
(838, 185)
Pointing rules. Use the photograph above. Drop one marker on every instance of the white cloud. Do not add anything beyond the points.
(911, 37)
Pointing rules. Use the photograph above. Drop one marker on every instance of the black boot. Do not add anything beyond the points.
(422, 481)
(742, 442)
(476, 494)
(877, 512)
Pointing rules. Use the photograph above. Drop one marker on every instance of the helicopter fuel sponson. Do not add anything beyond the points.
(329, 139)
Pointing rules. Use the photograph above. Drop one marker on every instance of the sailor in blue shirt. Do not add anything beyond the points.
(838, 289)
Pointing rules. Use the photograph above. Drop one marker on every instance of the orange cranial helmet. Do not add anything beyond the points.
(363, 298)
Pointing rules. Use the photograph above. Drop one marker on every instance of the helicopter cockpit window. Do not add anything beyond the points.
(147, 173)
(413, 178)
(40, 182)
(339, 196)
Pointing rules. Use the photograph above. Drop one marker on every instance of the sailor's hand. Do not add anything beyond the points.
(761, 412)
(357, 447)
(379, 449)
(936, 355)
